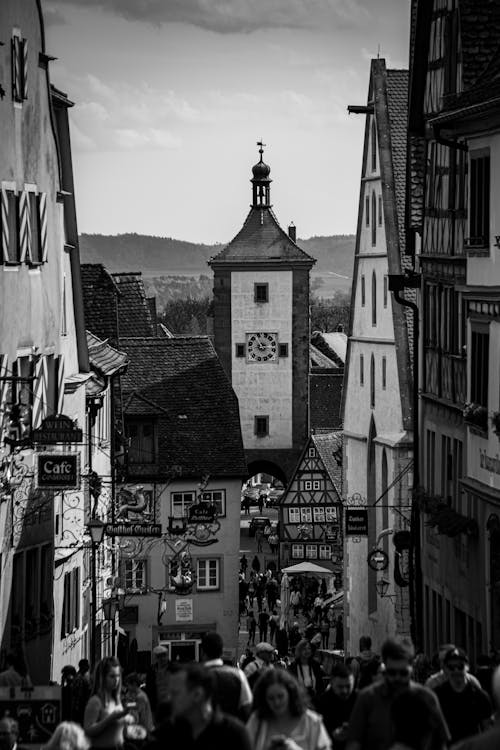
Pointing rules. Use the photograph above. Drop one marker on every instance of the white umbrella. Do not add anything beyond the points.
(285, 599)
(307, 567)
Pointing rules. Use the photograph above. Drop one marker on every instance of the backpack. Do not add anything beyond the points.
(368, 668)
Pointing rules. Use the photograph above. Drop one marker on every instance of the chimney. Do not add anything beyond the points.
(292, 232)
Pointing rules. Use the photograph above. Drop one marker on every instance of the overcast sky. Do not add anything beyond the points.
(172, 95)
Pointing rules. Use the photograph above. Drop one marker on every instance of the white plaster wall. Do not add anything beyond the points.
(263, 388)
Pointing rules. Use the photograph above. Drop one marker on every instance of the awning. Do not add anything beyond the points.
(306, 567)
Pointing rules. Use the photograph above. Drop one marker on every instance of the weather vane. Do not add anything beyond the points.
(261, 149)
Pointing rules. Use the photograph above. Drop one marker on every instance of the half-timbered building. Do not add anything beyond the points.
(310, 511)
(453, 126)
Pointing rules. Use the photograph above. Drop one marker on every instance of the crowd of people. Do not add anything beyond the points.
(373, 701)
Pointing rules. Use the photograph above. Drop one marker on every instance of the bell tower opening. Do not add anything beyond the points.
(261, 191)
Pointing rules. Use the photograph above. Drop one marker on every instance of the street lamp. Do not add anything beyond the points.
(95, 527)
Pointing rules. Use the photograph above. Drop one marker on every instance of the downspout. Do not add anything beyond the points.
(397, 283)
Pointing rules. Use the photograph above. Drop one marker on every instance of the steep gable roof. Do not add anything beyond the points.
(181, 381)
(134, 310)
(100, 301)
(262, 240)
(329, 447)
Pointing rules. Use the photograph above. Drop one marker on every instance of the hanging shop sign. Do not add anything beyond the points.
(378, 559)
(356, 522)
(130, 528)
(37, 711)
(57, 428)
(202, 524)
(57, 471)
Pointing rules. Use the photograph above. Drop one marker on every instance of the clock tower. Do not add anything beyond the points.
(261, 331)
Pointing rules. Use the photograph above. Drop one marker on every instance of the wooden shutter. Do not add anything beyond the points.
(23, 43)
(60, 384)
(42, 225)
(40, 392)
(4, 392)
(24, 227)
(16, 69)
(5, 225)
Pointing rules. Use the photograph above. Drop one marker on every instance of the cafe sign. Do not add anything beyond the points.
(57, 471)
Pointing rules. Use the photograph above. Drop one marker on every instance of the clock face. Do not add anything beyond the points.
(262, 347)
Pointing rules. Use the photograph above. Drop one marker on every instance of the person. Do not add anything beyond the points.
(246, 505)
(251, 627)
(370, 726)
(260, 501)
(412, 722)
(437, 678)
(335, 704)
(339, 633)
(466, 707)
(263, 624)
(264, 653)
(137, 702)
(243, 564)
(12, 676)
(196, 725)
(274, 620)
(9, 733)
(295, 599)
(281, 720)
(318, 608)
(259, 535)
(294, 636)
(105, 717)
(82, 689)
(365, 666)
(256, 562)
(68, 675)
(325, 632)
(307, 671)
(68, 735)
(281, 641)
(490, 739)
(232, 692)
(157, 678)
(273, 541)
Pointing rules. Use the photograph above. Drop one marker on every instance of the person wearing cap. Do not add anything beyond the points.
(157, 680)
(438, 678)
(263, 657)
(466, 707)
(490, 739)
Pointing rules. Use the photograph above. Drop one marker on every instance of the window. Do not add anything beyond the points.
(261, 292)
(19, 57)
(325, 552)
(479, 204)
(283, 350)
(180, 502)
(311, 552)
(312, 484)
(319, 515)
(480, 343)
(384, 373)
(430, 464)
(374, 222)
(208, 574)
(70, 619)
(374, 299)
(240, 350)
(312, 452)
(9, 216)
(361, 370)
(331, 515)
(372, 382)
(374, 146)
(386, 289)
(367, 210)
(261, 426)
(142, 441)
(380, 210)
(305, 515)
(217, 498)
(363, 291)
(297, 551)
(293, 515)
(134, 575)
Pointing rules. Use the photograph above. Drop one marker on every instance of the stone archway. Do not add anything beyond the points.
(261, 466)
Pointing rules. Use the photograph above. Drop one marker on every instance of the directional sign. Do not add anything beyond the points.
(378, 559)
(37, 710)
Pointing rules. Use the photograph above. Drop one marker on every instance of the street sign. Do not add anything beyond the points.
(378, 559)
(57, 428)
(57, 471)
(37, 710)
(128, 528)
(356, 522)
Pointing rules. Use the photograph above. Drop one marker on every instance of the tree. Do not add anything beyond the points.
(186, 316)
(330, 314)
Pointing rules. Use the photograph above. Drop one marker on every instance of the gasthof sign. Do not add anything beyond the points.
(57, 471)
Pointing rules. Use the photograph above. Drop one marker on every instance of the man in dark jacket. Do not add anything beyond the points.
(336, 704)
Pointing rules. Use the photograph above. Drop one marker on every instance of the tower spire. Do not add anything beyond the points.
(261, 182)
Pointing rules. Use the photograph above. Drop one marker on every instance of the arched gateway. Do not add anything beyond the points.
(261, 331)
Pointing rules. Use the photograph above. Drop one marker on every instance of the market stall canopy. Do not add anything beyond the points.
(307, 567)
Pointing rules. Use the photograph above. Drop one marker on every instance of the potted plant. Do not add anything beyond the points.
(476, 415)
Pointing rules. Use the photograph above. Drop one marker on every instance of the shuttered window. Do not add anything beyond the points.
(480, 344)
(9, 226)
(19, 61)
(479, 205)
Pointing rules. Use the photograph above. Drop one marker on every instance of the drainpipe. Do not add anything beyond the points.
(397, 284)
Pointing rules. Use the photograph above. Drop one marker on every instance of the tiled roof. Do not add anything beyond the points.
(182, 381)
(332, 345)
(134, 310)
(479, 37)
(329, 447)
(325, 395)
(100, 301)
(397, 104)
(318, 359)
(261, 239)
(104, 358)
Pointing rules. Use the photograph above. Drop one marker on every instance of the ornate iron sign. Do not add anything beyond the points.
(57, 471)
(57, 428)
(132, 528)
(356, 522)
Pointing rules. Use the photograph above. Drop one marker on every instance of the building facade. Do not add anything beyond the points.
(261, 332)
(377, 406)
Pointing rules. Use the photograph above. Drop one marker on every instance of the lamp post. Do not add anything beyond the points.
(95, 528)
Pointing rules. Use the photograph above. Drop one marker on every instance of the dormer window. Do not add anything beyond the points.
(141, 434)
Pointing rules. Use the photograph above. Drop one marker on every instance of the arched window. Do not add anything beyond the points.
(374, 222)
(372, 382)
(374, 146)
(374, 299)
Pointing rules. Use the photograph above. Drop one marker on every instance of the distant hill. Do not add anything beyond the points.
(164, 256)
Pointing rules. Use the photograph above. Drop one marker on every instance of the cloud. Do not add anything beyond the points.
(53, 16)
(237, 16)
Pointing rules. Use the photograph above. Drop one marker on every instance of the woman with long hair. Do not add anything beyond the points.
(281, 719)
(68, 736)
(105, 717)
(307, 670)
